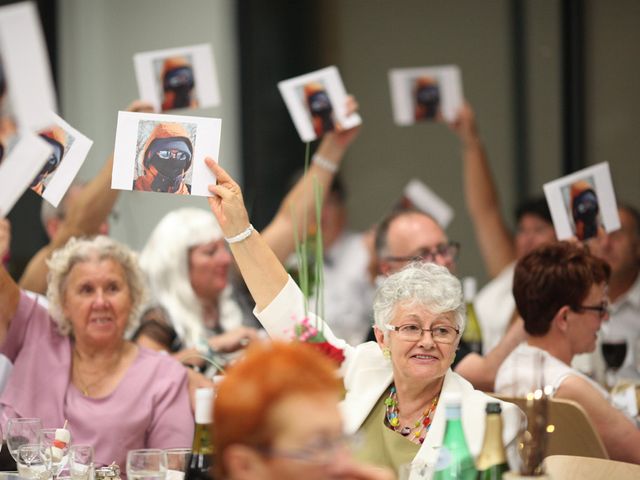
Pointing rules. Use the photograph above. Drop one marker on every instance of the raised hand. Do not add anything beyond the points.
(465, 124)
(227, 203)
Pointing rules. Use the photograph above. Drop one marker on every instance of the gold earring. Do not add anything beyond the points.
(386, 353)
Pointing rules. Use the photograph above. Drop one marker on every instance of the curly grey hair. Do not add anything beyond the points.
(78, 250)
(424, 284)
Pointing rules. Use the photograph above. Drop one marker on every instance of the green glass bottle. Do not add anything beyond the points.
(472, 334)
(492, 461)
(454, 459)
(201, 459)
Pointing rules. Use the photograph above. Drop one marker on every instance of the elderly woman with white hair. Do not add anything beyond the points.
(73, 362)
(393, 386)
(187, 265)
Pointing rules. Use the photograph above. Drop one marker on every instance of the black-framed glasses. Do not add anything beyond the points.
(411, 332)
(602, 308)
(448, 251)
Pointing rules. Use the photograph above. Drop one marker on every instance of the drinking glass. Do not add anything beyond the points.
(58, 462)
(147, 464)
(81, 462)
(415, 471)
(177, 462)
(614, 351)
(21, 431)
(34, 461)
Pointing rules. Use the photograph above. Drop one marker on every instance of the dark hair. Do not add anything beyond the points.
(552, 276)
(536, 206)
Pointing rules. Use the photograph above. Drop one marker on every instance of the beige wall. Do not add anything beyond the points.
(613, 92)
(97, 41)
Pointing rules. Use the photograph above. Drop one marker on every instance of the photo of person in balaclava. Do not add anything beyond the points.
(320, 108)
(57, 138)
(426, 95)
(7, 125)
(178, 82)
(165, 159)
(584, 209)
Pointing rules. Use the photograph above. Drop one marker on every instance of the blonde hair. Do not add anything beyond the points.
(78, 250)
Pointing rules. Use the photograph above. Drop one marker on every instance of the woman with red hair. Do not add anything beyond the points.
(276, 417)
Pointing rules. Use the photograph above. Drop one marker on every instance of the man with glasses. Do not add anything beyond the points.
(407, 236)
(561, 293)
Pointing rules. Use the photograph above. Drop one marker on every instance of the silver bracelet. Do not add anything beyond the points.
(241, 236)
(324, 163)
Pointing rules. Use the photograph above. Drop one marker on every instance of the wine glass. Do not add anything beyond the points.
(177, 462)
(34, 461)
(147, 464)
(81, 462)
(614, 351)
(58, 459)
(21, 431)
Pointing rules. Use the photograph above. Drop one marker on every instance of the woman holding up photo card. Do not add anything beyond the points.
(391, 383)
(188, 267)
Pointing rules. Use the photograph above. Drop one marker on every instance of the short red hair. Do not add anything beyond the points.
(268, 373)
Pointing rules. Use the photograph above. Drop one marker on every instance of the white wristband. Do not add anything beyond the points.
(325, 164)
(241, 236)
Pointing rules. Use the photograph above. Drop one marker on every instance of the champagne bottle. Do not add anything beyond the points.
(454, 460)
(492, 461)
(472, 334)
(201, 459)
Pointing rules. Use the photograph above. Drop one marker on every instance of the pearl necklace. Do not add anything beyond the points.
(418, 432)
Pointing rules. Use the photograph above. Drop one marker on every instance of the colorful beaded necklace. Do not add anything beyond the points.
(418, 432)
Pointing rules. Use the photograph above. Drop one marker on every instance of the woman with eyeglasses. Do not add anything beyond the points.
(393, 386)
(561, 293)
(276, 416)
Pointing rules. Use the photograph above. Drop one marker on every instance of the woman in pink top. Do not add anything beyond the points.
(73, 363)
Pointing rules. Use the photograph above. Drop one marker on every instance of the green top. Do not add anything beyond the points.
(382, 446)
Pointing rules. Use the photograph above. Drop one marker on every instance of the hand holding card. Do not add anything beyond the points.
(317, 103)
(583, 203)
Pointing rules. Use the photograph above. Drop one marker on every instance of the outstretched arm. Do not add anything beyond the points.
(481, 370)
(300, 201)
(85, 216)
(495, 240)
(262, 271)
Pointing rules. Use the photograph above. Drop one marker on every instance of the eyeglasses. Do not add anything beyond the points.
(412, 333)
(448, 251)
(177, 154)
(320, 451)
(602, 309)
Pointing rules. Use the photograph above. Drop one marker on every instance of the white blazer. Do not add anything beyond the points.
(367, 374)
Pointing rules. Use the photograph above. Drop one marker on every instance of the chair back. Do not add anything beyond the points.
(573, 433)
(566, 466)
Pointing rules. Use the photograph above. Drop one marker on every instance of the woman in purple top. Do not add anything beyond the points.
(73, 362)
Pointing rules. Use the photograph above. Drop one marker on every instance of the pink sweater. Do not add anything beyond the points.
(148, 409)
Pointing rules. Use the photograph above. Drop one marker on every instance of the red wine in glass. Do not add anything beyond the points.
(614, 353)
